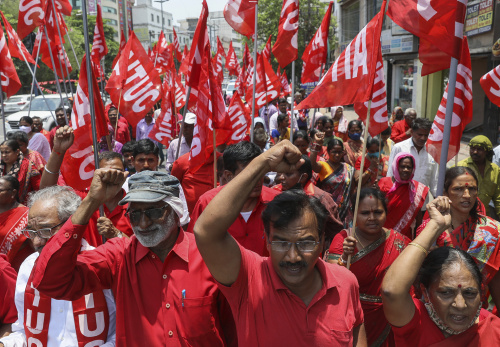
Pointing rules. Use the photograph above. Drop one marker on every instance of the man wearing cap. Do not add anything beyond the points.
(164, 293)
(187, 138)
(480, 161)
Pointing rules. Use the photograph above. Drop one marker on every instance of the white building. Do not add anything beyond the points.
(149, 21)
(218, 26)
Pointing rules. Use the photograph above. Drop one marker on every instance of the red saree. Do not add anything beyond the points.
(400, 211)
(12, 222)
(369, 266)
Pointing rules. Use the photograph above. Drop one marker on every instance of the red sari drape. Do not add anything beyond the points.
(12, 222)
(369, 266)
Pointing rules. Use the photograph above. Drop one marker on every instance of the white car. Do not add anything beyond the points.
(40, 107)
(230, 88)
(16, 103)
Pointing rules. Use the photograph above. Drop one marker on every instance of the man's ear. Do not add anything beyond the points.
(304, 178)
(228, 175)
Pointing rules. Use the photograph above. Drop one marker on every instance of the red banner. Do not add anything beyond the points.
(232, 64)
(99, 47)
(122, 45)
(163, 130)
(200, 39)
(8, 76)
(31, 15)
(177, 51)
(240, 119)
(491, 85)
(240, 15)
(285, 49)
(266, 52)
(16, 46)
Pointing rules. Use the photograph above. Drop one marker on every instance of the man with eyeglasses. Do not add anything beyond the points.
(86, 320)
(305, 301)
(164, 292)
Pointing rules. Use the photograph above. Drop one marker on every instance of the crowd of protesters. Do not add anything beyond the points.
(155, 255)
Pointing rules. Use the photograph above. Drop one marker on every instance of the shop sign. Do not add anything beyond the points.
(479, 18)
(396, 44)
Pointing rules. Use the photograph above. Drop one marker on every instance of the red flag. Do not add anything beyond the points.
(432, 58)
(240, 15)
(164, 54)
(378, 110)
(285, 86)
(134, 83)
(64, 7)
(240, 84)
(8, 76)
(240, 119)
(267, 85)
(350, 78)
(177, 51)
(220, 47)
(99, 47)
(232, 64)
(16, 46)
(491, 85)
(57, 53)
(164, 127)
(266, 53)
(462, 110)
(183, 69)
(198, 48)
(285, 49)
(315, 53)
(31, 15)
(122, 45)
(217, 62)
(53, 18)
(180, 93)
(78, 164)
(247, 58)
(438, 21)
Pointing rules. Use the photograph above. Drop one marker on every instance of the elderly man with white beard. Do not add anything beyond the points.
(165, 294)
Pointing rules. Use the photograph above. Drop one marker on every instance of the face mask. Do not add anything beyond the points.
(355, 136)
(374, 155)
(25, 129)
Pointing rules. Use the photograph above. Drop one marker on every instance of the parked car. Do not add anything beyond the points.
(16, 103)
(42, 108)
(230, 88)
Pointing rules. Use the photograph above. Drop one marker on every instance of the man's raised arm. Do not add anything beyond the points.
(218, 249)
(62, 142)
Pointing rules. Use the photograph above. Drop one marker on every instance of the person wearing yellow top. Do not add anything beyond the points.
(283, 131)
(488, 173)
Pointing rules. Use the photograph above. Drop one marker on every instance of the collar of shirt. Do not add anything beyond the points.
(181, 248)
(487, 166)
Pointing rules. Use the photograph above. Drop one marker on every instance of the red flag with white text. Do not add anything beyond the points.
(239, 118)
(285, 49)
(350, 78)
(267, 86)
(217, 62)
(240, 15)
(180, 93)
(491, 85)
(60, 57)
(177, 51)
(232, 64)
(285, 86)
(122, 45)
(266, 52)
(8, 76)
(31, 15)
(99, 47)
(134, 83)
(462, 110)
(164, 128)
(314, 56)
(16, 46)
(200, 40)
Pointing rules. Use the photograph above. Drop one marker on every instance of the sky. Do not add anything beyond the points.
(181, 9)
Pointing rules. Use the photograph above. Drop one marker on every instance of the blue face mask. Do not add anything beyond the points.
(374, 155)
(355, 136)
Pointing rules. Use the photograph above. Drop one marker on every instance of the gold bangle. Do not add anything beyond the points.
(340, 261)
(419, 247)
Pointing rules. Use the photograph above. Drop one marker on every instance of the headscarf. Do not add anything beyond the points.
(342, 121)
(397, 179)
(483, 141)
(259, 120)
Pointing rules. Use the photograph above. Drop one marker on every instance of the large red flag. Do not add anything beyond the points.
(267, 86)
(163, 130)
(122, 44)
(266, 52)
(16, 46)
(180, 93)
(57, 53)
(164, 55)
(8, 76)
(64, 7)
(53, 18)
(438, 21)
(315, 53)
(220, 47)
(240, 84)
(240, 119)
(200, 39)
(177, 51)
(285, 49)
(350, 78)
(31, 15)
(134, 83)
(491, 85)
(99, 47)
(78, 164)
(240, 15)
(462, 110)
(232, 64)
(378, 109)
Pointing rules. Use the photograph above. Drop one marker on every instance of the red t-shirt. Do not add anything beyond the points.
(398, 132)
(8, 277)
(249, 234)
(122, 133)
(151, 310)
(267, 313)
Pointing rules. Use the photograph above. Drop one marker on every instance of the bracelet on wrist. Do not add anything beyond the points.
(52, 173)
(419, 247)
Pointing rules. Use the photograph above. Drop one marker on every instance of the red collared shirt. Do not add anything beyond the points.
(150, 308)
(267, 313)
(8, 276)
(398, 132)
(249, 234)
(122, 133)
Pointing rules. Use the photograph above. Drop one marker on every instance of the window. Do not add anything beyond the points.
(350, 24)
(152, 17)
(163, 20)
(113, 22)
(109, 9)
(157, 19)
(169, 23)
(170, 37)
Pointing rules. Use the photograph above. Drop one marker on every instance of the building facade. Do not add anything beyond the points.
(149, 21)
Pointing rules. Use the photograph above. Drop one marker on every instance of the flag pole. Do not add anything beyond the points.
(293, 100)
(73, 49)
(3, 113)
(358, 192)
(215, 160)
(188, 93)
(316, 109)
(254, 77)
(36, 65)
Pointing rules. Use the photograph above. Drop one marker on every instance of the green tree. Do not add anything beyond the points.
(311, 14)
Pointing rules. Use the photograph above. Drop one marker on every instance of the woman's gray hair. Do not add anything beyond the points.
(66, 199)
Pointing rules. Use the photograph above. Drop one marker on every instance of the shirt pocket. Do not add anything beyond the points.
(342, 338)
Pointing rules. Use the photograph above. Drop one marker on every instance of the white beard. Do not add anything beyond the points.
(157, 232)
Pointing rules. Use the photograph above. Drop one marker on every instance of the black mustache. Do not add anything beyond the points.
(301, 263)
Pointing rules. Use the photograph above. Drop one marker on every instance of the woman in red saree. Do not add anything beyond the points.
(373, 249)
(405, 196)
(450, 313)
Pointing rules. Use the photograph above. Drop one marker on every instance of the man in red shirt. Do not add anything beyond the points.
(8, 312)
(122, 133)
(401, 130)
(292, 298)
(247, 228)
(164, 293)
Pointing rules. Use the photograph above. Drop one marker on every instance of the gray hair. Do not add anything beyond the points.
(67, 200)
(410, 110)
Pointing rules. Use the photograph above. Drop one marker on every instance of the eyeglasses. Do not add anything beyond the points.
(302, 246)
(45, 233)
(151, 213)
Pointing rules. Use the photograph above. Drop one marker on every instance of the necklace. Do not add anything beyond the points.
(357, 239)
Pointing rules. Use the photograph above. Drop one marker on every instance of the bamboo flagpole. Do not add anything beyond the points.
(365, 138)
(254, 77)
(292, 116)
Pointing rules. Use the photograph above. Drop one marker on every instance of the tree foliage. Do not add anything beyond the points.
(311, 14)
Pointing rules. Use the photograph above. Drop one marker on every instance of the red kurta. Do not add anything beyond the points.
(249, 234)
(398, 132)
(150, 308)
(267, 313)
(8, 277)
